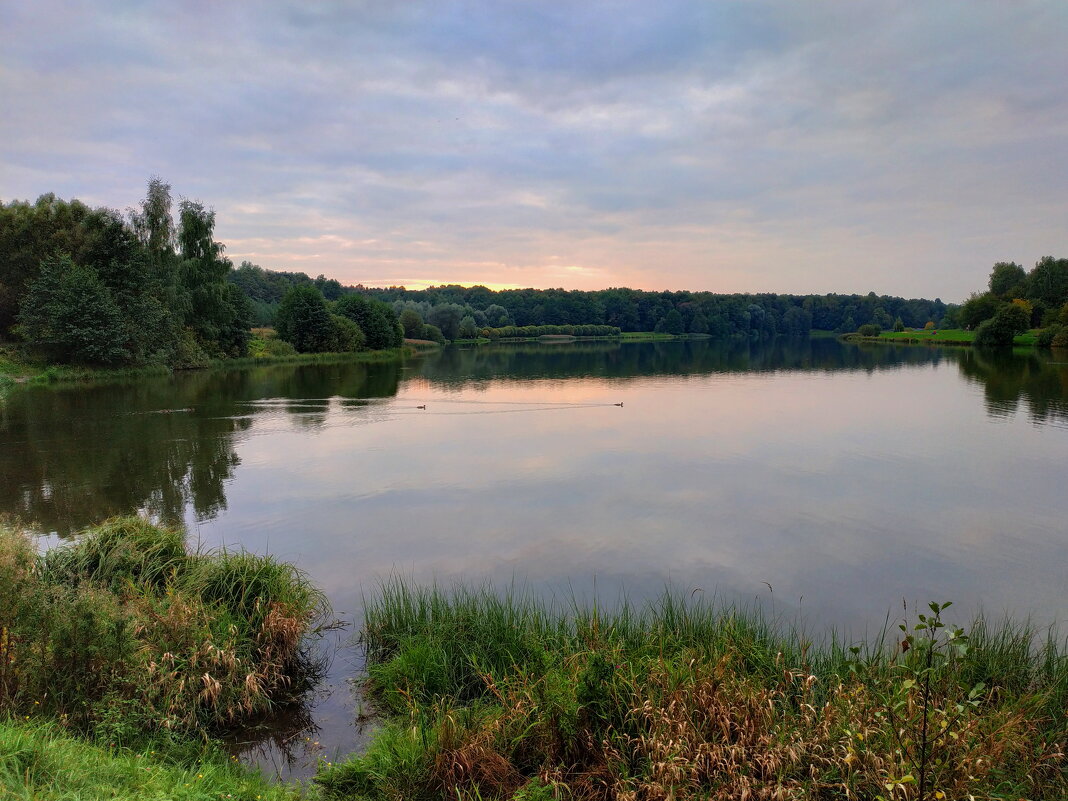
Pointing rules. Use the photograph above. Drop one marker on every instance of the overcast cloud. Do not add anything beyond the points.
(756, 146)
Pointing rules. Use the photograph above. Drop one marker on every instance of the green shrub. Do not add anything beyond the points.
(125, 629)
(869, 330)
(433, 333)
(1047, 335)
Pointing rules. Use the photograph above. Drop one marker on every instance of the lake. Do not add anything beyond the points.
(828, 483)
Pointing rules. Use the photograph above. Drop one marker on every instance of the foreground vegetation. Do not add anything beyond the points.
(41, 761)
(126, 634)
(502, 696)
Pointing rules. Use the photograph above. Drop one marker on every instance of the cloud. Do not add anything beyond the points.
(728, 146)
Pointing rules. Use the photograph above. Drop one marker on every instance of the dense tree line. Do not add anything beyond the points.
(1016, 300)
(721, 316)
(93, 286)
(458, 311)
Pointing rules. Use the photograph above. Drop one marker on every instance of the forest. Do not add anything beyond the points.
(460, 311)
(152, 286)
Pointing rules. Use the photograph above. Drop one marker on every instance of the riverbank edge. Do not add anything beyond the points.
(626, 336)
(130, 652)
(16, 372)
(1028, 340)
(490, 694)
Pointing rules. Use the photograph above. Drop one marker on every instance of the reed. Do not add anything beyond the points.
(503, 695)
(127, 629)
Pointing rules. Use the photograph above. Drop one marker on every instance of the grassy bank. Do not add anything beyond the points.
(953, 336)
(42, 762)
(16, 369)
(125, 633)
(503, 696)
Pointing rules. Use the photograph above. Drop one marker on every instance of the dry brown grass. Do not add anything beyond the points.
(711, 732)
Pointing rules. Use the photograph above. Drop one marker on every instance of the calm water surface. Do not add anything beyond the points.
(846, 478)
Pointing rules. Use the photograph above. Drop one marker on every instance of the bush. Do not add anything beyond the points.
(347, 335)
(433, 333)
(1047, 335)
(270, 348)
(1011, 319)
(198, 641)
(869, 330)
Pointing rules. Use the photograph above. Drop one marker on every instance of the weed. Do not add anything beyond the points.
(503, 696)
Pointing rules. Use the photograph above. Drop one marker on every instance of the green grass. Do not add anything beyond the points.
(949, 336)
(495, 695)
(41, 762)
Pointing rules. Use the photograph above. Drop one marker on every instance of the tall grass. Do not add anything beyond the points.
(499, 695)
(125, 629)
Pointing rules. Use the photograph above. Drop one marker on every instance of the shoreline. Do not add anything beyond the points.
(965, 339)
(67, 374)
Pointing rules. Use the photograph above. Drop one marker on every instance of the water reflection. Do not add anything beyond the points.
(614, 360)
(73, 455)
(1038, 380)
(846, 475)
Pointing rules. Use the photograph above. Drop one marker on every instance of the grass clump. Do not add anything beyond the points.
(40, 761)
(126, 631)
(503, 696)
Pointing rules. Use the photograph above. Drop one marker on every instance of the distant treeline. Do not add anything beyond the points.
(1017, 300)
(473, 309)
(99, 287)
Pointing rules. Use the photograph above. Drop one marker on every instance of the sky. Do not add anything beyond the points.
(895, 147)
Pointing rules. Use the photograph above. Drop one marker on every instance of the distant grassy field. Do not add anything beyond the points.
(952, 336)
